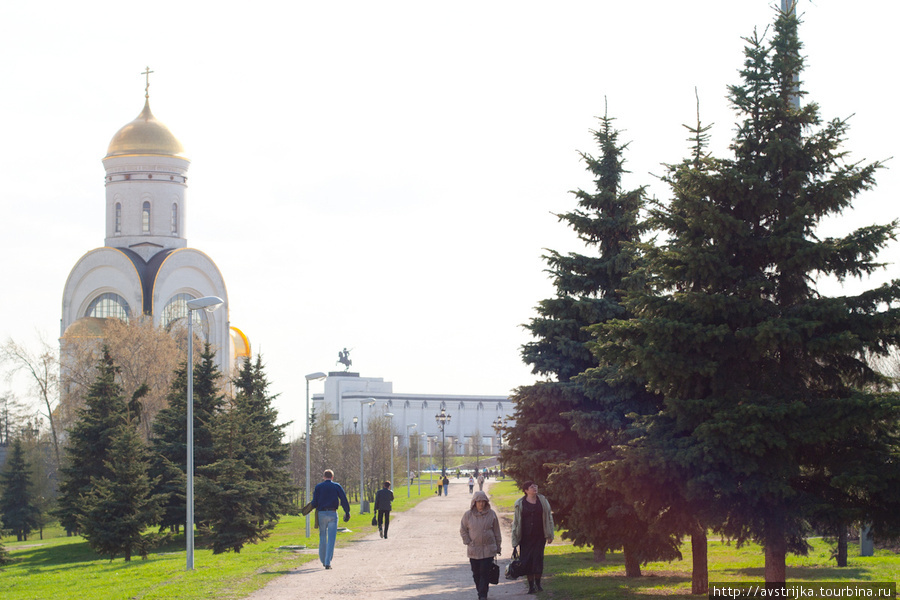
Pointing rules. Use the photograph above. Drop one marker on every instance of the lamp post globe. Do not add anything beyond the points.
(311, 377)
(363, 503)
(390, 417)
(210, 303)
(442, 419)
(408, 440)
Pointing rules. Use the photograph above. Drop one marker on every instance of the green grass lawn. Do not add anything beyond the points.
(571, 572)
(65, 567)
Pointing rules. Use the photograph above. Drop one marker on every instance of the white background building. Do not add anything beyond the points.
(347, 396)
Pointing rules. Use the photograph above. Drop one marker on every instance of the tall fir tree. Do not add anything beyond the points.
(566, 429)
(90, 439)
(18, 506)
(758, 369)
(268, 454)
(169, 439)
(121, 505)
(230, 491)
(248, 486)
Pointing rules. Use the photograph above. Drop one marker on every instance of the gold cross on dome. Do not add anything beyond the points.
(147, 88)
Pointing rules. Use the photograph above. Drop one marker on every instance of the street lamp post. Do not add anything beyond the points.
(363, 504)
(311, 377)
(210, 303)
(418, 467)
(408, 439)
(442, 418)
(499, 425)
(390, 417)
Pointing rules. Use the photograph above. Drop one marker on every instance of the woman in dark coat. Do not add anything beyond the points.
(383, 499)
(532, 529)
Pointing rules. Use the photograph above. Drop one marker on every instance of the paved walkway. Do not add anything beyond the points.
(424, 557)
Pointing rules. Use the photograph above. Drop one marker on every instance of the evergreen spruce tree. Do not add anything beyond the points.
(169, 440)
(268, 455)
(18, 506)
(90, 439)
(248, 486)
(764, 378)
(230, 491)
(120, 506)
(566, 429)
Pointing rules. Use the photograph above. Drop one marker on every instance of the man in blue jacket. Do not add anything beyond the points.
(326, 498)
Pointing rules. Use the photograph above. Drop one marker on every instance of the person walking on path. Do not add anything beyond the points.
(532, 529)
(424, 568)
(481, 482)
(383, 499)
(327, 496)
(471, 484)
(446, 484)
(480, 531)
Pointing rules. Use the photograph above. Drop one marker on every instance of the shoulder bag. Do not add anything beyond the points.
(514, 568)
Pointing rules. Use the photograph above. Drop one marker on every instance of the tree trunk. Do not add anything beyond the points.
(776, 569)
(599, 555)
(700, 569)
(842, 546)
(632, 565)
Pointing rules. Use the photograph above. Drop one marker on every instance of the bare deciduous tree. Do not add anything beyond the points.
(41, 368)
(145, 355)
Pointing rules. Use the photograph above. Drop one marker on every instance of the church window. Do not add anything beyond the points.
(174, 218)
(118, 217)
(176, 312)
(145, 218)
(109, 305)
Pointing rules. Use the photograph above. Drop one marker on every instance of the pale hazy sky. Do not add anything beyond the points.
(381, 175)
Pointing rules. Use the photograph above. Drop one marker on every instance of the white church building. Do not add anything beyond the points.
(349, 398)
(145, 266)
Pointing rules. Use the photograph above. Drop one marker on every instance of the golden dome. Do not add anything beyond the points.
(145, 135)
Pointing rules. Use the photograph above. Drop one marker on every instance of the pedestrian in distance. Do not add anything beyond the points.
(440, 487)
(532, 529)
(471, 483)
(383, 499)
(480, 531)
(327, 496)
(481, 482)
(446, 484)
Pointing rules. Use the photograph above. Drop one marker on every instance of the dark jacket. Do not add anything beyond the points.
(383, 499)
(328, 495)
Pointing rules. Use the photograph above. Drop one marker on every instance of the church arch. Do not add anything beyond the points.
(108, 305)
(176, 312)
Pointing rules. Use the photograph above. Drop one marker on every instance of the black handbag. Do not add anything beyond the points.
(495, 573)
(514, 568)
(374, 521)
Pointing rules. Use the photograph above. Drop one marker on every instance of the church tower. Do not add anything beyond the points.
(145, 266)
(146, 180)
